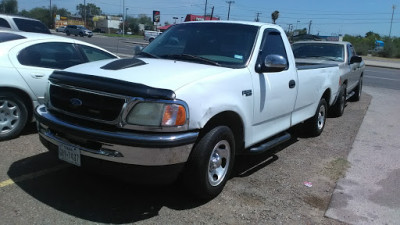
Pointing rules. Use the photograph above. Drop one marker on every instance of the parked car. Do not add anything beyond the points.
(19, 23)
(339, 53)
(193, 99)
(78, 30)
(150, 35)
(61, 29)
(26, 61)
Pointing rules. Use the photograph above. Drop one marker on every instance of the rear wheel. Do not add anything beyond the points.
(210, 163)
(316, 124)
(13, 115)
(81, 34)
(151, 39)
(357, 95)
(67, 32)
(337, 109)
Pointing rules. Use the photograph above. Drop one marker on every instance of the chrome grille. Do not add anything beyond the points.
(86, 104)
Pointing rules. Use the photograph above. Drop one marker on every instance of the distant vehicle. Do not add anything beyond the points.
(351, 66)
(150, 35)
(26, 61)
(78, 30)
(19, 23)
(60, 29)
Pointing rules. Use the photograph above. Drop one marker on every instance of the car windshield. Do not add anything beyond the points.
(220, 44)
(324, 51)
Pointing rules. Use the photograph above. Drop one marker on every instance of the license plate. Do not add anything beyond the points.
(70, 154)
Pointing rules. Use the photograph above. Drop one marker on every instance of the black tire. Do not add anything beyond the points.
(337, 109)
(13, 115)
(67, 32)
(81, 34)
(316, 124)
(210, 163)
(151, 39)
(357, 92)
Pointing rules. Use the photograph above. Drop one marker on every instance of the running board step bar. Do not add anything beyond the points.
(270, 143)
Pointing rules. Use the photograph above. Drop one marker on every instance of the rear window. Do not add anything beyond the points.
(4, 23)
(31, 26)
(9, 37)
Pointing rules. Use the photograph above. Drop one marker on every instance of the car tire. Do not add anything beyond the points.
(316, 124)
(357, 92)
(13, 115)
(151, 39)
(67, 32)
(210, 163)
(337, 109)
(81, 34)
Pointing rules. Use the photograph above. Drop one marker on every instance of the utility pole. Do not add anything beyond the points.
(257, 16)
(205, 11)
(212, 13)
(229, 10)
(391, 21)
(51, 16)
(309, 27)
(297, 23)
(84, 8)
(123, 18)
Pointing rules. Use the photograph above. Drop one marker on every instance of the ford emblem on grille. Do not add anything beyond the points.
(75, 102)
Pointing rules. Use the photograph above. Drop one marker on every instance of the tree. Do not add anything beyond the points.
(91, 10)
(9, 6)
(274, 16)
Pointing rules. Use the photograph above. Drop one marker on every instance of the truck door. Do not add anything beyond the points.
(274, 92)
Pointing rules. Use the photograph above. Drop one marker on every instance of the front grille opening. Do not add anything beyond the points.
(86, 104)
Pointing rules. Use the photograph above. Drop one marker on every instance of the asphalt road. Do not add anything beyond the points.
(382, 78)
(36, 188)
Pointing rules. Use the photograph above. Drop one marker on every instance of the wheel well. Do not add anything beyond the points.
(25, 97)
(231, 120)
(327, 95)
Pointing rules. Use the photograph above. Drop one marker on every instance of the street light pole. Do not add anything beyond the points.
(84, 9)
(123, 18)
(229, 10)
(391, 21)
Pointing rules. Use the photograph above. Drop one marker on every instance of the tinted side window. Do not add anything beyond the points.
(350, 52)
(272, 44)
(94, 54)
(54, 55)
(4, 23)
(31, 26)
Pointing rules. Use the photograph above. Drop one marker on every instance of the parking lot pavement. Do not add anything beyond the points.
(370, 193)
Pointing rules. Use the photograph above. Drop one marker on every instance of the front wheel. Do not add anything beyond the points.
(357, 95)
(337, 109)
(315, 125)
(67, 33)
(210, 163)
(13, 115)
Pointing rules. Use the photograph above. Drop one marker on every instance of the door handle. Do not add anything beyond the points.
(37, 75)
(292, 84)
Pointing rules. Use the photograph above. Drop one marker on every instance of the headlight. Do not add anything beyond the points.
(157, 114)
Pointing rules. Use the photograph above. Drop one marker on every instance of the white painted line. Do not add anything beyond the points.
(382, 78)
(32, 175)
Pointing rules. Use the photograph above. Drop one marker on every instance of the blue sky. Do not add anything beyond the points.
(355, 17)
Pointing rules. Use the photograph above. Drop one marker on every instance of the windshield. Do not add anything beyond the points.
(220, 44)
(325, 51)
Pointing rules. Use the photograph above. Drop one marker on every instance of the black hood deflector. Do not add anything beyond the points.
(110, 85)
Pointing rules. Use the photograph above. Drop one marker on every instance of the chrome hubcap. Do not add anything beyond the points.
(219, 162)
(9, 116)
(321, 117)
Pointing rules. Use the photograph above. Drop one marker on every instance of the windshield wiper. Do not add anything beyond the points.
(191, 58)
(149, 55)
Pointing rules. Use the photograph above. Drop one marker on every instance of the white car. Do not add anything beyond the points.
(26, 61)
(19, 23)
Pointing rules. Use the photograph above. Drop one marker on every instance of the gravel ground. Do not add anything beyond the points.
(265, 189)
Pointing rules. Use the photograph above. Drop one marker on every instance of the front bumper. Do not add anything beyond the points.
(144, 149)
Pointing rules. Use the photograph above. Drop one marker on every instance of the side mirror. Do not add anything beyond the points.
(137, 50)
(355, 59)
(272, 63)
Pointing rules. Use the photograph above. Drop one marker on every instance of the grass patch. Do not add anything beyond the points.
(336, 168)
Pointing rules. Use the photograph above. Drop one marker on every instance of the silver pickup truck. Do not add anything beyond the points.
(342, 53)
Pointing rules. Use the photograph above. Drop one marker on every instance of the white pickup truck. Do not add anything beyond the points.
(193, 99)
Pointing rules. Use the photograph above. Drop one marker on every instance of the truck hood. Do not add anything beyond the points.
(158, 73)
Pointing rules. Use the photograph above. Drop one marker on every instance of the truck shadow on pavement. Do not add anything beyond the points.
(91, 196)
